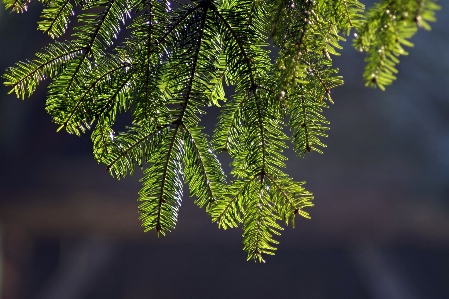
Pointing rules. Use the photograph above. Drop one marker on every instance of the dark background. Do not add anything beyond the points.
(379, 228)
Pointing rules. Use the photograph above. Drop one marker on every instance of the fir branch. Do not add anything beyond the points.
(162, 189)
(148, 64)
(173, 63)
(189, 85)
(259, 226)
(226, 212)
(17, 6)
(124, 145)
(389, 25)
(253, 87)
(25, 77)
(56, 17)
(208, 182)
(163, 184)
(84, 97)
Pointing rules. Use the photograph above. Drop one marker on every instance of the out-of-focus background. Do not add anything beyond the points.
(379, 230)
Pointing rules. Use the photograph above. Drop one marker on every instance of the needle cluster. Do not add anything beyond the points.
(174, 59)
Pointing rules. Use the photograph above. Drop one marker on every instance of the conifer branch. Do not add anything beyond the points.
(164, 179)
(209, 178)
(87, 49)
(221, 214)
(174, 63)
(58, 22)
(347, 12)
(253, 87)
(287, 198)
(148, 65)
(27, 75)
(124, 152)
(89, 90)
(194, 65)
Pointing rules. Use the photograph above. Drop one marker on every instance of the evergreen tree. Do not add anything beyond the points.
(175, 61)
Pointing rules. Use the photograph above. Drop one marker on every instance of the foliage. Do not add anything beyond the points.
(388, 27)
(173, 63)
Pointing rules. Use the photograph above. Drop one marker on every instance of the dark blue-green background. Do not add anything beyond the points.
(379, 228)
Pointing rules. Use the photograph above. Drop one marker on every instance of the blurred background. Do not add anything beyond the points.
(379, 228)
